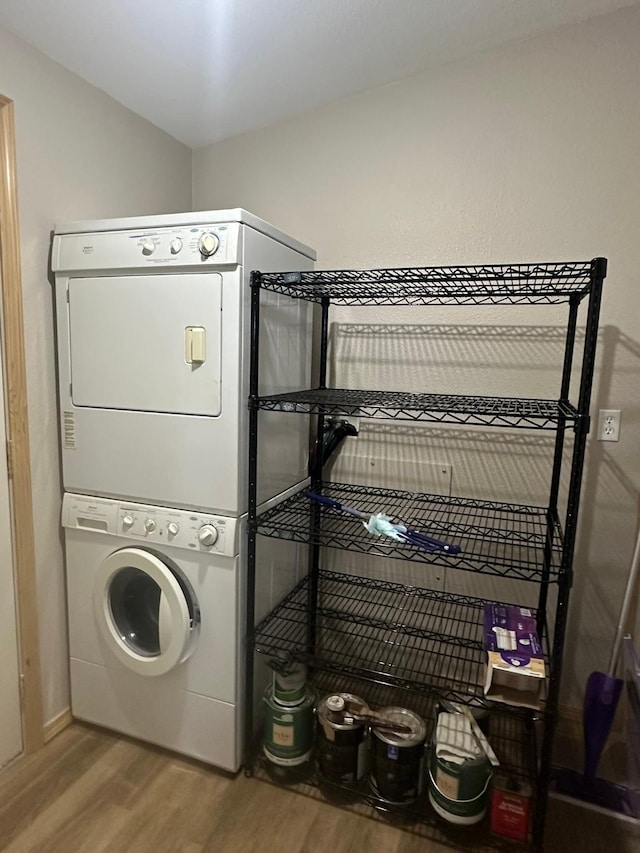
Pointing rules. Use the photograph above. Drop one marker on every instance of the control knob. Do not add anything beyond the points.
(175, 245)
(172, 528)
(148, 247)
(207, 535)
(149, 525)
(208, 244)
(127, 522)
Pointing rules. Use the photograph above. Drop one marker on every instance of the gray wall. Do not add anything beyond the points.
(528, 152)
(80, 155)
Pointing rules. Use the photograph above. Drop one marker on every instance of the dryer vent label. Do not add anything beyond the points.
(69, 430)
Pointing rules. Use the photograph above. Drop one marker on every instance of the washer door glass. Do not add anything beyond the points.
(145, 611)
(135, 601)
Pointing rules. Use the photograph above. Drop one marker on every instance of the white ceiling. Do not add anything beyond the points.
(205, 70)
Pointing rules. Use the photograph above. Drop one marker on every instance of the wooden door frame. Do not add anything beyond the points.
(18, 438)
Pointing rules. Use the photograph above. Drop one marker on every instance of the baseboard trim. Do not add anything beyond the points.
(570, 714)
(57, 725)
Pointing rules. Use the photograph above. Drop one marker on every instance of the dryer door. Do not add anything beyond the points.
(146, 611)
(146, 343)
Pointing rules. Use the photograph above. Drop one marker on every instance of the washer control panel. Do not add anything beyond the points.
(178, 528)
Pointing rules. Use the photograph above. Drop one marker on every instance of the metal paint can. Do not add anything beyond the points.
(511, 808)
(288, 731)
(341, 747)
(397, 758)
(289, 684)
(459, 792)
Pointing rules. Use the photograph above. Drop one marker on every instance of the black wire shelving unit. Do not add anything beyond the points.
(411, 645)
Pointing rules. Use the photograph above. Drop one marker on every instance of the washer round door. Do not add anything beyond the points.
(146, 611)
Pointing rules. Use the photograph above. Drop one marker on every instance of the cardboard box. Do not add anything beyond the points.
(515, 671)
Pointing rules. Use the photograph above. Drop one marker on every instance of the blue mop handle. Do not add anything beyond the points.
(421, 539)
(321, 499)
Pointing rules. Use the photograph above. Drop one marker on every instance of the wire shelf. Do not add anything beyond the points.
(494, 284)
(513, 739)
(417, 639)
(433, 408)
(508, 540)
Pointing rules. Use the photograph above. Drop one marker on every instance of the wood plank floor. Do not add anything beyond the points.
(92, 791)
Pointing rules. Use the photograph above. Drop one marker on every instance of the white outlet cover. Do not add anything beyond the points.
(609, 424)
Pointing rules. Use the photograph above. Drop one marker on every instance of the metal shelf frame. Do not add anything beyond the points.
(421, 641)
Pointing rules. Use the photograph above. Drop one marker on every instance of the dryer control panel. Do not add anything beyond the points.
(197, 246)
(160, 526)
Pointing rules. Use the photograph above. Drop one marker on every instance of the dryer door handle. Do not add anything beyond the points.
(195, 344)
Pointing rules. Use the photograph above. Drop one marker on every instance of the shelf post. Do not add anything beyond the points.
(552, 507)
(598, 273)
(316, 483)
(252, 505)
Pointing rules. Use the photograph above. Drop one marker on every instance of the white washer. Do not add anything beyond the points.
(155, 624)
(153, 336)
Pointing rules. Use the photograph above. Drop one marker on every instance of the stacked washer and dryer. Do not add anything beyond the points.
(153, 350)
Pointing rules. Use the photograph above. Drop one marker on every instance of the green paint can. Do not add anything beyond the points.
(458, 788)
(288, 730)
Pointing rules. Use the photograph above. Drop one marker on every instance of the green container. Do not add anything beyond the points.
(288, 731)
(459, 793)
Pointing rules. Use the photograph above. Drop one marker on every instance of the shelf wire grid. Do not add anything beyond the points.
(416, 639)
(502, 539)
(495, 284)
(433, 408)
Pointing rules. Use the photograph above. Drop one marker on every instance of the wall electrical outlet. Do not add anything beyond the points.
(609, 425)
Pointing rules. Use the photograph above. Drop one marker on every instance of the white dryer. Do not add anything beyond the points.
(153, 337)
(155, 624)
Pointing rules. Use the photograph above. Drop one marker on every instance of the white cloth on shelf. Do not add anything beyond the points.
(455, 741)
